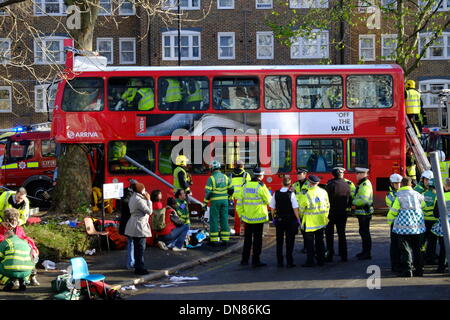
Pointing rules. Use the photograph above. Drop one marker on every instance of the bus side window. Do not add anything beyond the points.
(277, 92)
(141, 151)
(243, 93)
(83, 94)
(281, 156)
(320, 155)
(183, 93)
(369, 91)
(131, 94)
(319, 92)
(357, 153)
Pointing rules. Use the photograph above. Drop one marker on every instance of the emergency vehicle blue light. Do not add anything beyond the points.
(19, 129)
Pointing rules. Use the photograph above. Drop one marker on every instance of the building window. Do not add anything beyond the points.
(5, 50)
(5, 99)
(389, 4)
(264, 4)
(105, 8)
(127, 50)
(184, 4)
(126, 8)
(189, 45)
(264, 45)
(388, 46)
(49, 7)
(44, 98)
(105, 48)
(305, 4)
(226, 45)
(225, 4)
(431, 100)
(312, 47)
(49, 50)
(367, 47)
(440, 49)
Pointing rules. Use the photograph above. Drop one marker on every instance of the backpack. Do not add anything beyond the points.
(159, 219)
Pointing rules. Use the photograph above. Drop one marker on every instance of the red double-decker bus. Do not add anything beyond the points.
(280, 117)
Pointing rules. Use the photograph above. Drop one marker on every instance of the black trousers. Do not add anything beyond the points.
(340, 220)
(364, 232)
(315, 246)
(286, 230)
(410, 254)
(394, 251)
(252, 238)
(430, 241)
(139, 249)
(442, 255)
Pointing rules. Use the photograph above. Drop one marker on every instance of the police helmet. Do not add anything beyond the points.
(427, 174)
(395, 178)
(441, 155)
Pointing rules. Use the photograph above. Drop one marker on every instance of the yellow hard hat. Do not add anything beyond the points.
(181, 160)
(410, 84)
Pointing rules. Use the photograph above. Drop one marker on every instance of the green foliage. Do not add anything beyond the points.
(56, 242)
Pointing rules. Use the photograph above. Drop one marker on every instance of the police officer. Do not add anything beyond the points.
(340, 198)
(217, 191)
(429, 239)
(407, 214)
(413, 104)
(173, 94)
(181, 178)
(297, 188)
(253, 200)
(395, 180)
(194, 96)
(363, 203)
(286, 221)
(437, 228)
(238, 177)
(314, 207)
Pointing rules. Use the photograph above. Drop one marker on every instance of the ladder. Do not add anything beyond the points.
(414, 143)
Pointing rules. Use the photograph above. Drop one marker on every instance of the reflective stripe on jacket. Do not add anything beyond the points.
(24, 213)
(412, 102)
(15, 258)
(147, 101)
(313, 209)
(173, 93)
(218, 187)
(196, 95)
(252, 202)
(430, 199)
(238, 180)
(363, 199)
(176, 181)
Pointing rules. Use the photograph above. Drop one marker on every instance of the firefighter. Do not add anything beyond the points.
(408, 223)
(217, 191)
(173, 94)
(117, 151)
(363, 202)
(339, 195)
(181, 178)
(395, 180)
(194, 96)
(297, 188)
(424, 182)
(411, 165)
(437, 228)
(17, 200)
(313, 209)
(253, 201)
(413, 104)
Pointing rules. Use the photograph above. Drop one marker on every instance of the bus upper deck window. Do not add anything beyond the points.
(183, 93)
(319, 92)
(277, 92)
(83, 94)
(236, 93)
(131, 94)
(369, 91)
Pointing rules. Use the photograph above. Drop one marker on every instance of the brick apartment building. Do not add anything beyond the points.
(233, 33)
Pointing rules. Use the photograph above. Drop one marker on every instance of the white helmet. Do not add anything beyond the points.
(427, 174)
(395, 178)
(441, 155)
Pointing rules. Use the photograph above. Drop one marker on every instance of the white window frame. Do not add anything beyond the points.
(172, 35)
(110, 40)
(62, 56)
(102, 12)
(366, 36)
(308, 4)
(121, 40)
(446, 44)
(121, 13)
(173, 5)
(264, 33)
(263, 5)
(62, 8)
(8, 51)
(225, 7)
(226, 34)
(299, 42)
(426, 98)
(8, 88)
(45, 97)
(383, 38)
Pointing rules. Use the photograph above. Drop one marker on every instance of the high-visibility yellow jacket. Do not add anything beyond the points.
(147, 101)
(444, 166)
(430, 198)
(412, 102)
(24, 213)
(173, 93)
(298, 187)
(118, 151)
(181, 184)
(363, 200)
(196, 95)
(437, 227)
(313, 208)
(238, 180)
(390, 197)
(218, 187)
(129, 94)
(253, 201)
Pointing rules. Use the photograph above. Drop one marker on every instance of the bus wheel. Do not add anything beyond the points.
(40, 193)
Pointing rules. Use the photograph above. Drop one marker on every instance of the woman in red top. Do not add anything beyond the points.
(174, 234)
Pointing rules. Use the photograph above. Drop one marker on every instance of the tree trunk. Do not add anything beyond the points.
(73, 191)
